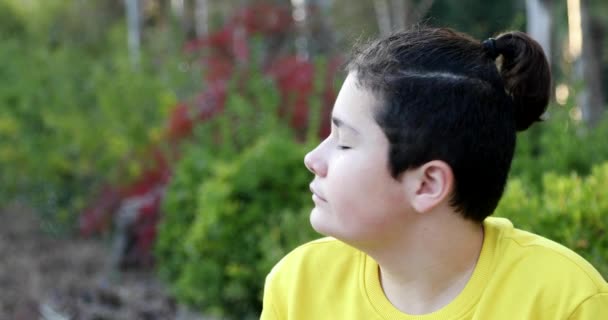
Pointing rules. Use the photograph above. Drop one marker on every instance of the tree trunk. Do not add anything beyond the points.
(301, 17)
(401, 10)
(133, 30)
(383, 16)
(188, 19)
(164, 14)
(591, 97)
(201, 17)
(540, 23)
(399, 14)
(319, 29)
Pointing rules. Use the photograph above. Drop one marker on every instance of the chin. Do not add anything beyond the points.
(320, 222)
(325, 224)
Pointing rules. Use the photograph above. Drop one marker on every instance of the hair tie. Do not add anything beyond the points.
(489, 46)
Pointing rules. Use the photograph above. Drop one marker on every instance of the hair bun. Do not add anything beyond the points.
(526, 74)
(489, 46)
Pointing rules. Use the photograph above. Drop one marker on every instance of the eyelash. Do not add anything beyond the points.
(341, 147)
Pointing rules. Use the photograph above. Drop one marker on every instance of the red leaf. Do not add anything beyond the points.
(266, 18)
(211, 101)
(293, 75)
(180, 122)
(98, 215)
(217, 68)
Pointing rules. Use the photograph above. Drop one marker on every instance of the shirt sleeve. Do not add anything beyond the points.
(269, 311)
(595, 307)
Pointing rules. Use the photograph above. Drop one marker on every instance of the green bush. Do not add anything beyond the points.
(11, 24)
(561, 145)
(219, 139)
(570, 209)
(179, 209)
(69, 119)
(250, 212)
(236, 204)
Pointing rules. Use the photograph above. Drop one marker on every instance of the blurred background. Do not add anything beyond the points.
(151, 150)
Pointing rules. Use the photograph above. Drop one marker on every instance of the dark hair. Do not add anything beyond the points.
(446, 96)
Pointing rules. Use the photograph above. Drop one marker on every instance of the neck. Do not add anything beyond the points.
(429, 264)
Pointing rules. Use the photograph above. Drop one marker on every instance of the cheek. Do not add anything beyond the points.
(363, 188)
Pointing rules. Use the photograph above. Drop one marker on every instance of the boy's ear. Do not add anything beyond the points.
(429, 185)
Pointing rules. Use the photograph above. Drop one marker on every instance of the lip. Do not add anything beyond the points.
(316, 194)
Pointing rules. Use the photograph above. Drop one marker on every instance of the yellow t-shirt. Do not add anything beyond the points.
(519, 275)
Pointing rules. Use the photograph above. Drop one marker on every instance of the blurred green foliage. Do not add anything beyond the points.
(558, 184)
(249, 214)
(570, 209)
(560, 144)
(58, 22)
(11, 24)
(72, 108)
(478, 18)
(236, 204)
(68, 118)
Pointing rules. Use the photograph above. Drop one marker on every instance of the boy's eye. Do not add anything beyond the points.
(343, 147)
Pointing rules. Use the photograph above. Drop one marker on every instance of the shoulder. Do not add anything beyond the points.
(325, 258)
(321, 254)
(594, 307)
(309, 272)
(542, 264)
(544, 278)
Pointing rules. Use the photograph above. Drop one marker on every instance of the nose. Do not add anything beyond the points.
(315, 161)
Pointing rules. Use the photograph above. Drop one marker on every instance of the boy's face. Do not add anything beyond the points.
(356, 199)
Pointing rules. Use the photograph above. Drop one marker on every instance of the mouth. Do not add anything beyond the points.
(316, 194)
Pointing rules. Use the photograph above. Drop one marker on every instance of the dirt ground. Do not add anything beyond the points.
(54, 278)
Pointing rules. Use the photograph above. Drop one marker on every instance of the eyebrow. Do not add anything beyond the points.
(341, 124)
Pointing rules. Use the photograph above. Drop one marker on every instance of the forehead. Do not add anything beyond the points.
(355, 103)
